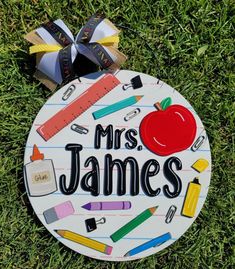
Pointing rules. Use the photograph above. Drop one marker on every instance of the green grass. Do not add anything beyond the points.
(194, 43)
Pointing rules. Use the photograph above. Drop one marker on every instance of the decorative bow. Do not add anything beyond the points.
(56, 49)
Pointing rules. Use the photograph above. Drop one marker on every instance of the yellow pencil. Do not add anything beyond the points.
(85, 241)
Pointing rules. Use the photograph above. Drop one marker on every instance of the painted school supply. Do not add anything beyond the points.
(132, 114)
(79, 129)
(131, 225)
(68, 92)
(112, 205)
(191, 199)
(199, 141)
(74, 109)
(170, 214)
(91, 224)
(155, 242)
(136, 83)
(116, 107)
(85, 241)
(40, 175)
(58, 212)
(200, 165)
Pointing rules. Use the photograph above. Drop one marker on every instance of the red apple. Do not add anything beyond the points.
(168, 131)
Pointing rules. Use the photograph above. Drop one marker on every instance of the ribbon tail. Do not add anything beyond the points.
(55, 33)
(44, 48)
(48, 63)
(112, 26)
(34, 38)
(99, 55)
(119, 57)
(66, 62)
(109, 41)
(89, 28)
(44, 79)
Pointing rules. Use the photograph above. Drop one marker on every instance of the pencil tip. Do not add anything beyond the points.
(138, 97)
(60, 232)
(153, 209)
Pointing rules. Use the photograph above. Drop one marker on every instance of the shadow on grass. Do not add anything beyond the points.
(26, 64)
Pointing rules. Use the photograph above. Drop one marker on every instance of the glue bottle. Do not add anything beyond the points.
(40, 175)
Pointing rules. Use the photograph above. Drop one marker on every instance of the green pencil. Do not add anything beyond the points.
(131, 225)
(116, 106)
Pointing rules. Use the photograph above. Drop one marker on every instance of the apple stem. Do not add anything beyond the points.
(158, 106)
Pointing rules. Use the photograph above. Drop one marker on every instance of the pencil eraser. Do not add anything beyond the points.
(200, 165)
(58, 212)
(108, 250)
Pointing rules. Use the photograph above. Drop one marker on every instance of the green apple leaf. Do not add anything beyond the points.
(165, 103)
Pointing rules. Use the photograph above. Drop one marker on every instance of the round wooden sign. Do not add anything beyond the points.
(117, 166)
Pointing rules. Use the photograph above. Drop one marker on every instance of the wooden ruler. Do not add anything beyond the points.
(74, 109)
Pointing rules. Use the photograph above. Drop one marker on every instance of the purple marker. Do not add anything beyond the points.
(118, 205)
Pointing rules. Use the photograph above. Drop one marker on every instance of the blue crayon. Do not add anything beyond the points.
(155, 242)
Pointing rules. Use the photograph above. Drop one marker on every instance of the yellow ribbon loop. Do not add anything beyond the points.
(44, 48)
(108, 41)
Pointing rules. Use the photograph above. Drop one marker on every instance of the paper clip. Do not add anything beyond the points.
(170, 213)
(132, 114)
(68, 92)
(200, 140)
(79, 129)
